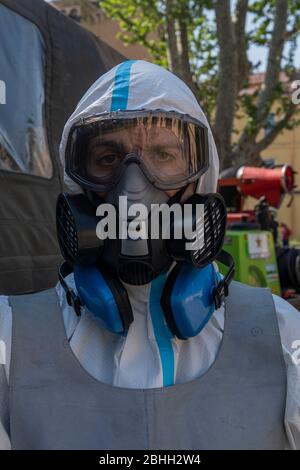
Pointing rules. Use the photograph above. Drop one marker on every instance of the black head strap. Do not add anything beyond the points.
(117, 289)
(222, 289)
(72, 298)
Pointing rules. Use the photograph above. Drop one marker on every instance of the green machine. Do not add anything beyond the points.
(255, 258)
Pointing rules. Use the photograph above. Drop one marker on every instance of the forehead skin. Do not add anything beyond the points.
(136, 138)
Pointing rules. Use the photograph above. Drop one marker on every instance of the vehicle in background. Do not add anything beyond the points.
(47, 62)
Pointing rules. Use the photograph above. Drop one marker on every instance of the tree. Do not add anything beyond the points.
(206, 43)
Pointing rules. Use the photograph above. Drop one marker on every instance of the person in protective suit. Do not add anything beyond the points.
(142, 344)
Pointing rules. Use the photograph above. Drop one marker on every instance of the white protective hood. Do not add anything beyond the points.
(136, 85)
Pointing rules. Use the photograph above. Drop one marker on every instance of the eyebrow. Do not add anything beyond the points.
(107, 143)
(167, 145)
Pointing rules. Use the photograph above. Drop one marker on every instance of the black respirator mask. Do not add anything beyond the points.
(126, 163)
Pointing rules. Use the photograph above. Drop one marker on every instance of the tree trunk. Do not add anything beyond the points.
(243, 65)
(227, 87)
(172, 51)
(248, 149)
(178, 44)
(266, 97)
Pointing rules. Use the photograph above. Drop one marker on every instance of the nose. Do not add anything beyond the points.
(134, 181)
(134, 184)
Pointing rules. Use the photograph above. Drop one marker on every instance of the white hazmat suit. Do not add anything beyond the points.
(148, 357)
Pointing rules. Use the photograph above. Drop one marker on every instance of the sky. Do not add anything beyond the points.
(257, 54)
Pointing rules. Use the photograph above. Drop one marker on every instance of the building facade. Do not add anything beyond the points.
(94, 19)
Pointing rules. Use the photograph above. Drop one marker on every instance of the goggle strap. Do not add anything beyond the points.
(222, 289)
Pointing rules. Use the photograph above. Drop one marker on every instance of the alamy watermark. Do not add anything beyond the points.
(296, 353)
(296, 93)
(136, 222)
(2, 92)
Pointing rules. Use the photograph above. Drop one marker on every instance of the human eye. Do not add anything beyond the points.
(107, 159)
(105, 155)
(164, 156)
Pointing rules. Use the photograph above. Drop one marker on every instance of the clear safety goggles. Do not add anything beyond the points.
(171, 148)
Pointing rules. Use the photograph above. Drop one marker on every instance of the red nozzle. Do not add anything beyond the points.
(272, 183)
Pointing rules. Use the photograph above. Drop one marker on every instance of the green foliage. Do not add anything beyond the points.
(145, 22)
(138, 20)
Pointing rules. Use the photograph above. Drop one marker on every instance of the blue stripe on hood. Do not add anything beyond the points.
(162, 333)
(120, 92)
